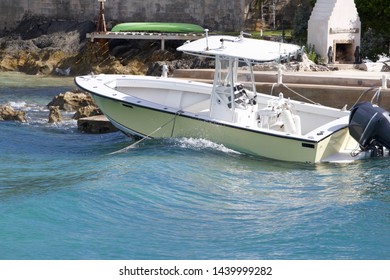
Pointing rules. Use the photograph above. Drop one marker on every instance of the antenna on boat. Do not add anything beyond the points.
(207, 39)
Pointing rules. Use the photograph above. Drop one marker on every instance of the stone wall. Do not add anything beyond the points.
(216, 15)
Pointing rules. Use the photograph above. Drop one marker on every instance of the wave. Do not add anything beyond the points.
(65, 126)
(38, 115)
(202, 144)
(184, 143)
(18, 105)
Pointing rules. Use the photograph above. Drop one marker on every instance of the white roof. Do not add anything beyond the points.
(240, 47)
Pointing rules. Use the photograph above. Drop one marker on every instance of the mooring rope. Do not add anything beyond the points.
(293, 91)
(148, 136)
(300, 95)
(365, 91)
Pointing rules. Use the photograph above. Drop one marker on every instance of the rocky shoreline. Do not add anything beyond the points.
(43, 46)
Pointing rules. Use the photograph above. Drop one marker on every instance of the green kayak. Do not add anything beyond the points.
(162, 27)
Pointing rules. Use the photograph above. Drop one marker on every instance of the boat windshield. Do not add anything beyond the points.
(230, 72)
(231, 82)
(225, 71)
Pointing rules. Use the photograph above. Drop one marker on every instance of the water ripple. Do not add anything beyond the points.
(64, 196)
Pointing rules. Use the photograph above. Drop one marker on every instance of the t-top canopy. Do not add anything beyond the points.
(240, 47)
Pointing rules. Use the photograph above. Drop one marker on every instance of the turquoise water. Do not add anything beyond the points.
(64, 196)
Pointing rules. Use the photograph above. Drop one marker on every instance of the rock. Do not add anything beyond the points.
(155, 68)
(371, 66)
(72, 101)
(386, 67)
(96, 124)
(11, 45)
(62, 72)
(39, 45)
(87, 111)
(38, 27)
(7, 113)
(293, 66)
(89, 117)
(55, 114)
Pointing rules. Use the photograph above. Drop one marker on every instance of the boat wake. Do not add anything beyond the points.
(199, 144)
(194, 144)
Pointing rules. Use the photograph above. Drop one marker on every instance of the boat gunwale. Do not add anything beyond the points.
(179, 112)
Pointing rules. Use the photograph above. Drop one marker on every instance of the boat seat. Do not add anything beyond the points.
(268, 117)
(283, 120)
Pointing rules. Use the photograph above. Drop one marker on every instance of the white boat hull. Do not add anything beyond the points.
(138, 117)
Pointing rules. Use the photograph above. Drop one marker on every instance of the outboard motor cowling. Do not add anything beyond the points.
(369, 125)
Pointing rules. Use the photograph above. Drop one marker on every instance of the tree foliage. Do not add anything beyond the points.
(374, 15)
(300, 23)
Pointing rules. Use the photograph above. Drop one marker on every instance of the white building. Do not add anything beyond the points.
(335, 26)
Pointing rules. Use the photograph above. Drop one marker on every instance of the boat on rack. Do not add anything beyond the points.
(159, 27)
(231, 112)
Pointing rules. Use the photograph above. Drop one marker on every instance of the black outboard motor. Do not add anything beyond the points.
(369, 125)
